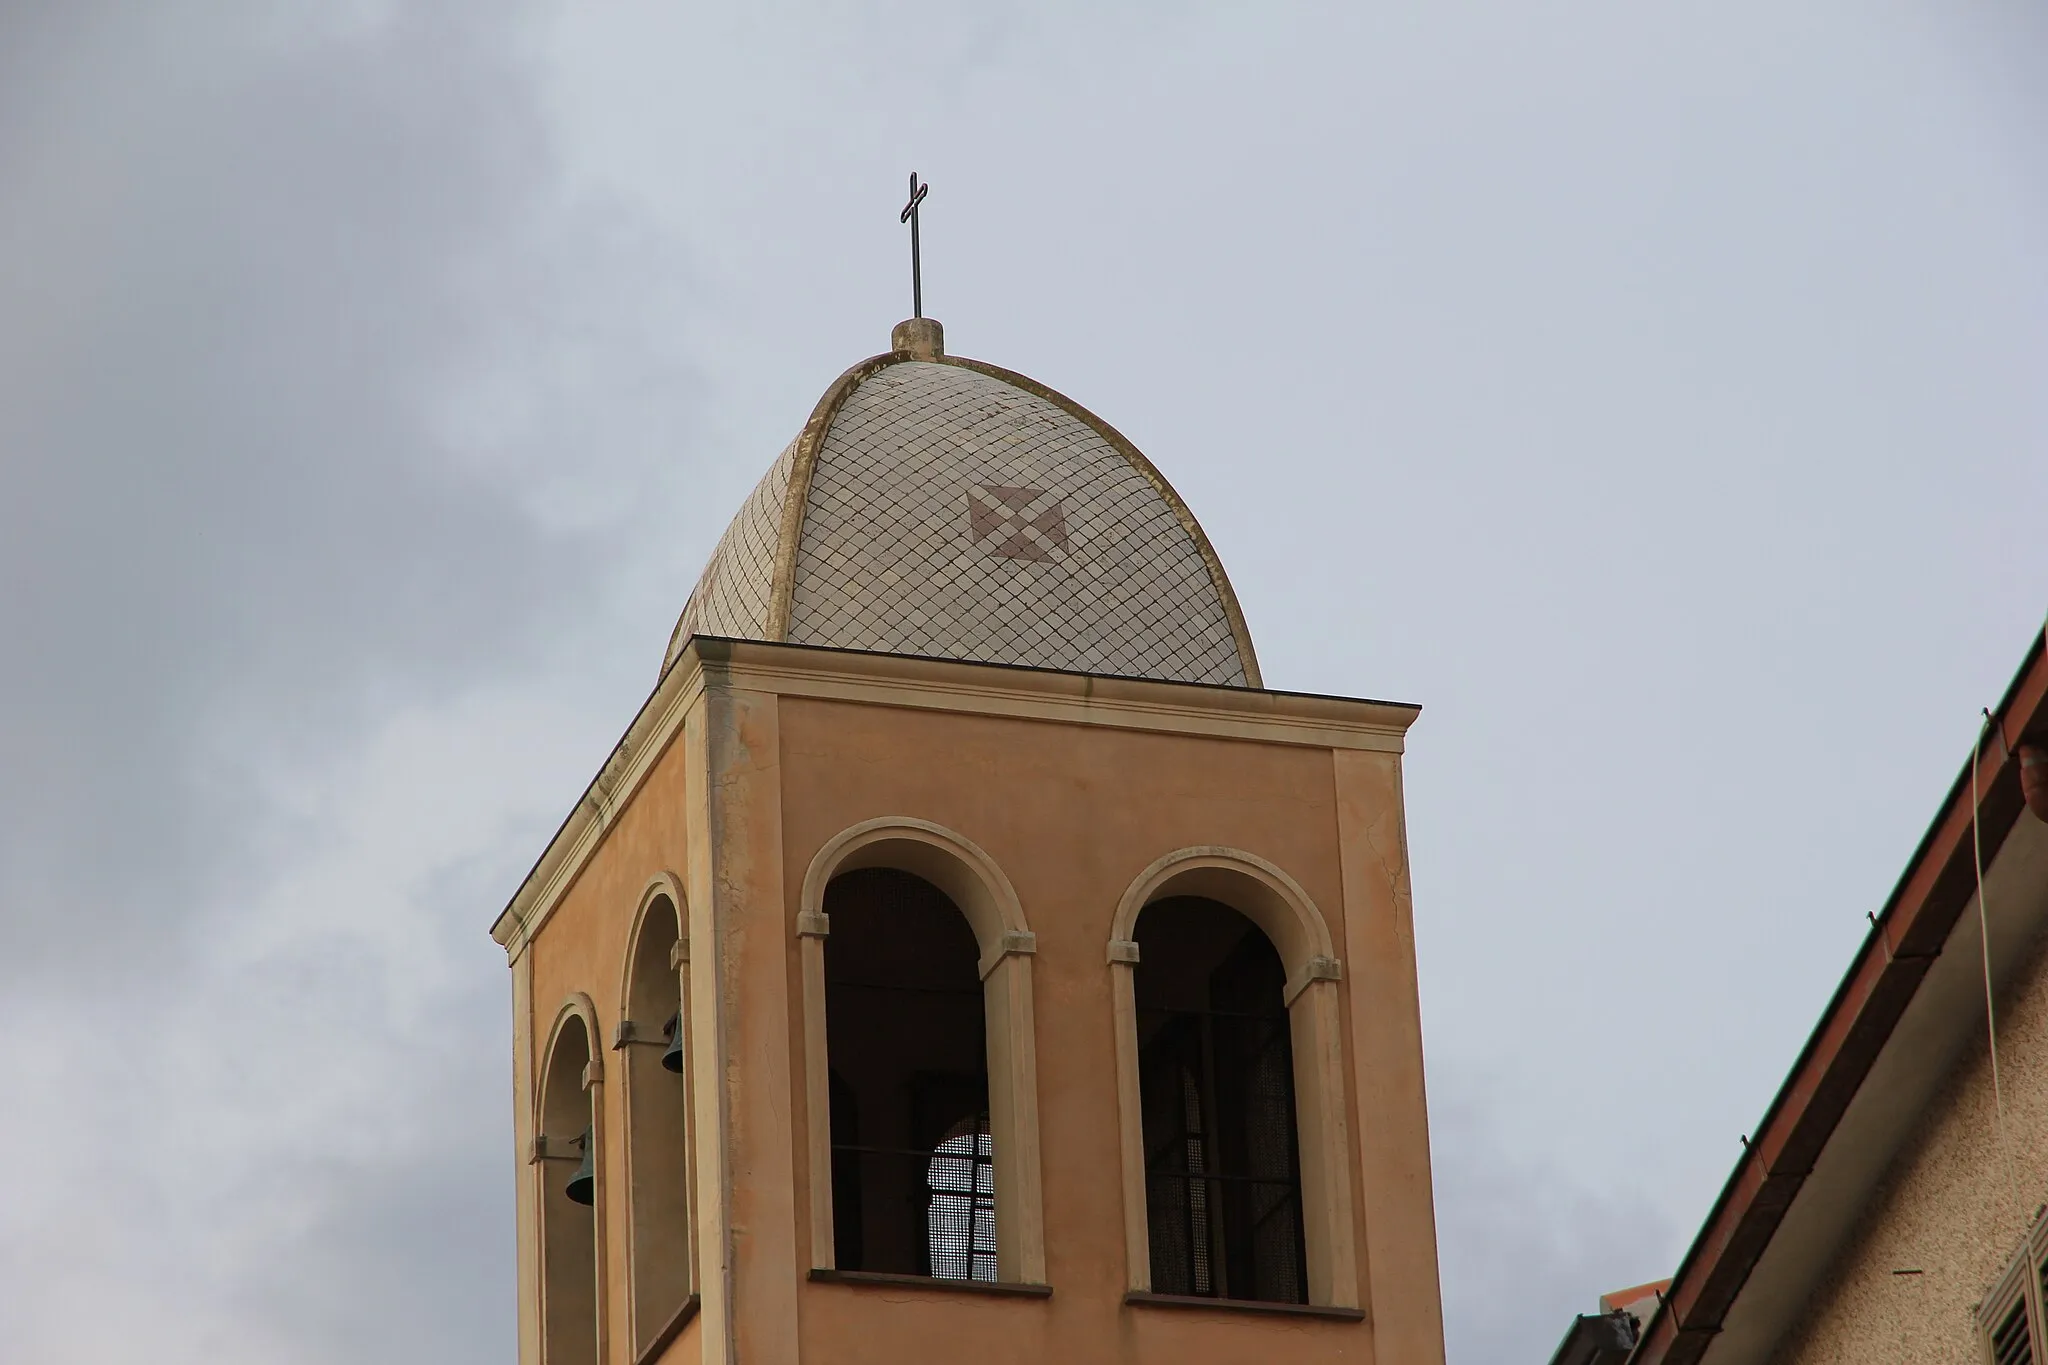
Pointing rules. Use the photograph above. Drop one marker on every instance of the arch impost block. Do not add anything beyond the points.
(1123, 950)
(1012, 943)
(813, 924)
(678, 954)
(593, 1072)
(1317, 968)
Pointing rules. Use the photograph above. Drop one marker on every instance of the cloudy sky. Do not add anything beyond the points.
(1653, 392)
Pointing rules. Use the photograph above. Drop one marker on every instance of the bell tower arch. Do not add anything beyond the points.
(651, 1046)
(568, 1156)
(1002, 946)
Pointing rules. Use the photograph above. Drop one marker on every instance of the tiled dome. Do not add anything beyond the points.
(946, 508)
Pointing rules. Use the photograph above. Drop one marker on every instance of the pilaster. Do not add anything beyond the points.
(740, 934)
(1386, 1049)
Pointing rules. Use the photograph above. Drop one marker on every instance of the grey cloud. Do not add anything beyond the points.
(1648, 392)
(322, 394)
(1527, 1242)
(246, 281)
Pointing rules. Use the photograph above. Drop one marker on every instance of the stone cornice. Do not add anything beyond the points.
(1245, 714)
(659, 720)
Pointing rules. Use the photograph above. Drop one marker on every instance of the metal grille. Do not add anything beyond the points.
(960, 1221)
(912, 1156)
(1178, 1168)
(950, 1189)
(1223, 1179)
(1269, 1200)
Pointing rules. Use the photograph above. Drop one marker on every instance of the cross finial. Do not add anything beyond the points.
(909, 215)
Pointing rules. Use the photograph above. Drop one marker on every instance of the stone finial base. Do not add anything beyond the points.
(920, 338)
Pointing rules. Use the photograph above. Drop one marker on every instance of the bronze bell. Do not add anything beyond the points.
(582, 1186)
(672, 1055)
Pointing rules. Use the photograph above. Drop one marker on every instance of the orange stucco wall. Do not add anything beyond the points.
(686, 1349)
(583, 948)
(1072, 814)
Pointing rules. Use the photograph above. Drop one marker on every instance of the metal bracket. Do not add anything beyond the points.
(628, 1033)
(542, 1148)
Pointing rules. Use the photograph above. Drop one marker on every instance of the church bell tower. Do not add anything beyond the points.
(964, 955)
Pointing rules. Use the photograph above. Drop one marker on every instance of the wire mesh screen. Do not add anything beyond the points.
(1223, 1179)
(960, 1221)
(1179, 1165)
(948, 1192)
(912, 1158)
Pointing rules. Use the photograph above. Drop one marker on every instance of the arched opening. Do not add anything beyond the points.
(913, 1184)
(1222, 1153)
(568, 1152)
(991, 1053)
(653, 1041)
(1282, 914)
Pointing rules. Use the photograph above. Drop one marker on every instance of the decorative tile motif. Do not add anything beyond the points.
(1024, 523)
(953, 515)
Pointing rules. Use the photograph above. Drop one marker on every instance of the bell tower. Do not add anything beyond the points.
(964, 954)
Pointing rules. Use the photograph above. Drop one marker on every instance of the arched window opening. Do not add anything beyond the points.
(1216, 1083)
(568, 1161)
(653, 1046)
(912, 1156)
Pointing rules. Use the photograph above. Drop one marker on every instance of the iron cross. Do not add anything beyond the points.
(909, 215)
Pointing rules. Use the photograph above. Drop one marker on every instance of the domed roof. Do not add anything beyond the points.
(942, 507)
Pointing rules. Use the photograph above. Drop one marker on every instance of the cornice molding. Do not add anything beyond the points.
(1072, 698)
(810, 671)
(659, 720)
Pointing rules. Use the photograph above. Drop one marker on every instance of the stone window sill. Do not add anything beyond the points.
(1139, 1299)
(877, 1279)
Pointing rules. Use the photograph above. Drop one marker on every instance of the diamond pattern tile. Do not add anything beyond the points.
(732, 596)
(957, 516)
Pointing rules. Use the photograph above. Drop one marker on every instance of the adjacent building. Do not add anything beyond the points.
(1889, 1206)
(1608, 1336)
